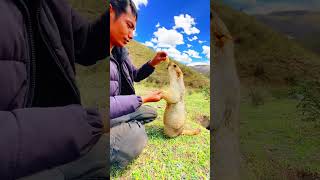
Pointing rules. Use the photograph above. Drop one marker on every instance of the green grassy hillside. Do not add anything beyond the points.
(90, 9)
(265, 56)
(302, 26)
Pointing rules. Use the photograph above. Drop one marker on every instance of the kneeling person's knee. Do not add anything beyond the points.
(130, 142)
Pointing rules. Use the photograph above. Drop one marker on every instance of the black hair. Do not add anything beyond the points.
(120, 6)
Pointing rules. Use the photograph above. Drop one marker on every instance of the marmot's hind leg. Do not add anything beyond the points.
(190, 132)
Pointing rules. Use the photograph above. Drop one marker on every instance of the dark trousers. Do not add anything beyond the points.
(128, 136)
(91, 166)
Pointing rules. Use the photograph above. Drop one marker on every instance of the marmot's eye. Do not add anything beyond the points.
(174, 65)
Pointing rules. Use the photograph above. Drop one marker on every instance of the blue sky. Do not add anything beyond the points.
(181, 28)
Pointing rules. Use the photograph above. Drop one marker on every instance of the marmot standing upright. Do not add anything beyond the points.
(175, 115)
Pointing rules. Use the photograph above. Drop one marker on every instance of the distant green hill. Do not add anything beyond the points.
(91, 8)
(302, 26)
(140, 54)
(265, 56)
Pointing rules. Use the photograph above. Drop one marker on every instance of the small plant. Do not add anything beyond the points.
(308, 94)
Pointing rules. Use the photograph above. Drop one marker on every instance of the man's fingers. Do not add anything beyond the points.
(162, 54)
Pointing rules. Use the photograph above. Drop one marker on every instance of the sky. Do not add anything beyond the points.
(180, 28)
(267, 6)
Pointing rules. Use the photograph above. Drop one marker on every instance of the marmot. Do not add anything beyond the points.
(175, 115)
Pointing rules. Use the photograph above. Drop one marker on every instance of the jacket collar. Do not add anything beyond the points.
(119, 54)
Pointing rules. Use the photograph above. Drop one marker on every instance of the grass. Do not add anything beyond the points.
(276, 143)
(183, 157)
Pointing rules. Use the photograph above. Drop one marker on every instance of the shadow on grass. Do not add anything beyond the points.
(116, 171)
(155, 132)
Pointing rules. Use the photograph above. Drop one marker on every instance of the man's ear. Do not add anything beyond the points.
(111, 11)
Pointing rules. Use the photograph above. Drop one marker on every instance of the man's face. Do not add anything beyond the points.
(122, 28)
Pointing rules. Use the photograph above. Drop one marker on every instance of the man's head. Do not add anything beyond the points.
(123, 18)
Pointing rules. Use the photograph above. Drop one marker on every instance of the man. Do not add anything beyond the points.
(43, 127)
(127, 134)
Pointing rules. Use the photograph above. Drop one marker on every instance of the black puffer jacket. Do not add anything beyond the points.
(42, 122)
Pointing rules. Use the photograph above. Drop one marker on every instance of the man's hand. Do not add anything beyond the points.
(154, 96)
(158, 58)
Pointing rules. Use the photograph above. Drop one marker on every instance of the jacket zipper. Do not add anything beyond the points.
(32, 66)
(56, 59)
(123, 73)
(127, 78)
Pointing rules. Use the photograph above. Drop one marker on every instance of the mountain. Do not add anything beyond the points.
(203, 69)
(140, 54)
(301, 26)
(264, 55)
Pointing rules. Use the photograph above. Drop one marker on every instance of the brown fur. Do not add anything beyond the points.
(174, 115)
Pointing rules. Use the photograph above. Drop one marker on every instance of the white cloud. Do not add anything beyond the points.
(192, 53)
(206, 51)
(176, 54)
(135, 34)
(193, 38)
(158, 25)
(148, 43)
(154, 40)
(189, 45)
(140, 3)
(186, 22)
(167, 38)
(201, 41)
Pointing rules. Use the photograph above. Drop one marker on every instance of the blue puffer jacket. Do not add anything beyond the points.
(122, 95)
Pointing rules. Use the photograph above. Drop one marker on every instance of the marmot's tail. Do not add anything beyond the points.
(191, 132)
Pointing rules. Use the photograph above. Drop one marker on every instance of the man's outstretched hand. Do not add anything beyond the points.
(154, 96)
(158, 58)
